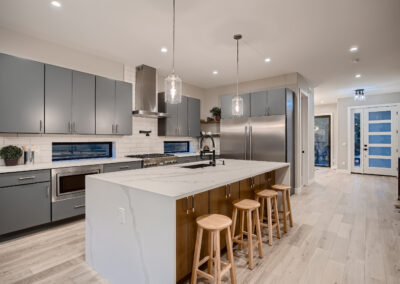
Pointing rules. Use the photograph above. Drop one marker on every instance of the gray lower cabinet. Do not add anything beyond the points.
(83, 103)
(113, 107)
(258, 101)
(123, 108)
(58, 99)
(226, 105)
(193, 113)
(68, 208)
(24, 206)
(107, 168)
(183, 119)
(21, 95)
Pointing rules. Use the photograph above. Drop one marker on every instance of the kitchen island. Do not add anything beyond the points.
(140, 225)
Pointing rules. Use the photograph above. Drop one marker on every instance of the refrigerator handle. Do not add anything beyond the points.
(250, 134)
(245, 142)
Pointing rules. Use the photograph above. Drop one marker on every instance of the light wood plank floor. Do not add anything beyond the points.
(346, 231)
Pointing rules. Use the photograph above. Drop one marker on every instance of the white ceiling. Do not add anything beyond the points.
(311, 37)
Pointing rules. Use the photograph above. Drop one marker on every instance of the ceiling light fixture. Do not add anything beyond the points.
(359, 95)
(56, 4)
(173, 84)
(215, 72)
(164, 49)
(353, 49)
(237, 101)
(357, 76)
(268, 59)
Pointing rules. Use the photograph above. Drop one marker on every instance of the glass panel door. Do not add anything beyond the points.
(357, 140)
(380, 140)
(322, 144)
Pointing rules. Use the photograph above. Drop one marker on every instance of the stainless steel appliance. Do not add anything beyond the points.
(262, 138)
(154, 160)
(70, 182)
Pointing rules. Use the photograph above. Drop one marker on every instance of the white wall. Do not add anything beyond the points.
(343, 106)
(330, 109)
(31, 48)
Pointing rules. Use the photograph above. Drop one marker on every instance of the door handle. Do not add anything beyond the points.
(25, 178)
(245, 142)
(124, 167)
(250, 134)
(79, 206)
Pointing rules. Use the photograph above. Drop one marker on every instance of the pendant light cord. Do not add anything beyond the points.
(237, 67)
(173, 39)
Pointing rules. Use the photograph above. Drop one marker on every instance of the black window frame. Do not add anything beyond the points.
(179, 142)
(108, 144)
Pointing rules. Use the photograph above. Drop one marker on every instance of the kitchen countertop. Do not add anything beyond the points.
(176, 182)
(64, 164)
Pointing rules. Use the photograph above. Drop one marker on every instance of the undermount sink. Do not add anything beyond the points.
(196, 166)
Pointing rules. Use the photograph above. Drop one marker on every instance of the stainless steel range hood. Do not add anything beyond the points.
(146, 93)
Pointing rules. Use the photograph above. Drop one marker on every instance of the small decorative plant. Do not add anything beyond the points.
(11, 154)
(216, 112)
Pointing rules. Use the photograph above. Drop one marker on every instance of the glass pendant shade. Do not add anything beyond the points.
(237, 106)
(173, 89)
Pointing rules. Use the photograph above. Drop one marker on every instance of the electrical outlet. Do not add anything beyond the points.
(122, 215)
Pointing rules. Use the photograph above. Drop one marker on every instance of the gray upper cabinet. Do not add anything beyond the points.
(258, 103)
(183, 129)
(83, 103)
(226, 105)
(58, 99)
(123, 108)
(183, 119)
(105, 105)
(113, 107)
(276, 102)
(21, 95)
(193, 113)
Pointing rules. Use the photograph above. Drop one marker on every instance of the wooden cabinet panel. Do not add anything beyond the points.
(182, 245)
(246, 191)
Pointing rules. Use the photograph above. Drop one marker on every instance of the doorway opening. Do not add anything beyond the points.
(322, 141)
(374, 140)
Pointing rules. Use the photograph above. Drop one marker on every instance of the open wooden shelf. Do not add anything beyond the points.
(209, 122)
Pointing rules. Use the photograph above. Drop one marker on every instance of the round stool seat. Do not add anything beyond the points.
(247, 204)
(267, 193)
(281, 187)
(213, 222)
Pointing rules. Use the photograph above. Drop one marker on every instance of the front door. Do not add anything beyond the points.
(375, 140)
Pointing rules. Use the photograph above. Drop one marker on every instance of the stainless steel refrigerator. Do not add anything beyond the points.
(261, 138)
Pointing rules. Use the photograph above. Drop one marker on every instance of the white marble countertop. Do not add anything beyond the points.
(177, 182)
(64, 164)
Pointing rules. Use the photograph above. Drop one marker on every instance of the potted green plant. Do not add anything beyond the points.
(11, 154)
(216, 112)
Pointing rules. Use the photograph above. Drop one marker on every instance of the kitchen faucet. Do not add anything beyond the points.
(203, 152)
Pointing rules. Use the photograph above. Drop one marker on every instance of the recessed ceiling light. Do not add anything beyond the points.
(164, 49)
(353, 49)
(56, 4)
(358, 76)
(268, 59)
(215, 72)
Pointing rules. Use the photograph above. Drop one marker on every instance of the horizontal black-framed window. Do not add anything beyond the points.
(81, 150)
(176, 147)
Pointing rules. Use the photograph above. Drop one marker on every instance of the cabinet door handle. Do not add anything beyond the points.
(116, 128)
(193, 203)
(124, 167)
(112, 128)
(25, 178)
(69, 126)
(40, 125)
(230, 190)
(48, 191)
(226, 192)
(73, 127)
(79, 206)
(187, 205)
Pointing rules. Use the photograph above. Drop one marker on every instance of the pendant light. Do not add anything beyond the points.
(359, 95)
(237, 101)
(173, 84)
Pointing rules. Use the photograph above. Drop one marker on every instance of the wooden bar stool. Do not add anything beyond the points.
(270, 196)
(214, 224)
(247, 206)
(287, 209)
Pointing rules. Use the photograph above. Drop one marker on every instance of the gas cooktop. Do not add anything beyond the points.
(154, 160)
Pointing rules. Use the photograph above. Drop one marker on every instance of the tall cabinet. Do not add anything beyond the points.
(21, 95)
